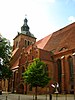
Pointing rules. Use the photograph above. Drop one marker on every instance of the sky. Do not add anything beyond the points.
(44, 16)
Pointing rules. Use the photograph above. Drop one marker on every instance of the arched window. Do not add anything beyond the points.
(28, 43)
(59, 72)
(70, 62)
(23, 70)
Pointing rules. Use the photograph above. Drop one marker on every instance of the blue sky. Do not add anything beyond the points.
(44, 16)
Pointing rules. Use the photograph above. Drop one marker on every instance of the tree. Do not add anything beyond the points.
(36, 75)
(5, 55)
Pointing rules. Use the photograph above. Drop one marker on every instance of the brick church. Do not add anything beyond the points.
(57, 50)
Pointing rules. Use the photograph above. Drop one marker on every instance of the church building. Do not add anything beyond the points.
(57, 50)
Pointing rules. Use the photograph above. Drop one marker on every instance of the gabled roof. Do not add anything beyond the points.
(63, 38)
(15, 64)
(42, 43)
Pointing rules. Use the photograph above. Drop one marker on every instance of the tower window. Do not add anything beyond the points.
(28, 42)
(25, 42)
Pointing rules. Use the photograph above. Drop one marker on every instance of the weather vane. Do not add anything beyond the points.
(25, 15)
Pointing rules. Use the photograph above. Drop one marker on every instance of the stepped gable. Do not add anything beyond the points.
(62, 39)
(39, 44)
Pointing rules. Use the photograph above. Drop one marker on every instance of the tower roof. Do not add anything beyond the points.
(25, 28)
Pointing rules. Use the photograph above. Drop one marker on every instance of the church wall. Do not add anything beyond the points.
(65, 85)
(61, 43)
(26, 58)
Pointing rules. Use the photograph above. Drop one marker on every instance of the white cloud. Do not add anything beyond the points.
(71, 19)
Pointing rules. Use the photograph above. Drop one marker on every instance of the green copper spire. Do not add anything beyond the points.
(25, 27)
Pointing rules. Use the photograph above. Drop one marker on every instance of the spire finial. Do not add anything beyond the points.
(25, 15)
(25, 20)
(25, 27)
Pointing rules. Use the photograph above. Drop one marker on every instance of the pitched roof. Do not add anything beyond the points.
(63, 38)
(42, 43)
(15, 64)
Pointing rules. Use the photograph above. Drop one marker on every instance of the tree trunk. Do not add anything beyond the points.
(36, 93)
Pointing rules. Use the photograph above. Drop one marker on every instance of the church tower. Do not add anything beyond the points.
(25, 38)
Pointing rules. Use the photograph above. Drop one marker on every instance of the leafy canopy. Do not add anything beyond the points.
(5, 50)
(36, 74)
(5, 55)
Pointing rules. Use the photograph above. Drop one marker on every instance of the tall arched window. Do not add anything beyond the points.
(70, 62)
(59, 73)
(23, 69)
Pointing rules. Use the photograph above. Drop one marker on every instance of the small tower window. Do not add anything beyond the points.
(28, 42)
(25, 42)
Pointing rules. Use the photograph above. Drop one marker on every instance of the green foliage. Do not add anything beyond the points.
(5, 50)
(5, 55)
(36, 74)
(6, 72)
